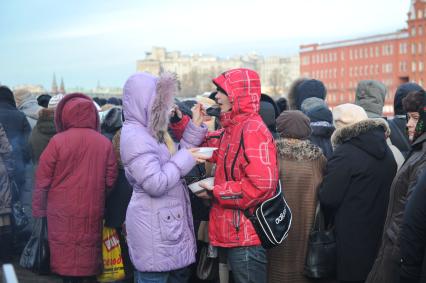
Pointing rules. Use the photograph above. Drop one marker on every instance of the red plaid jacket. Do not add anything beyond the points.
(246, 166)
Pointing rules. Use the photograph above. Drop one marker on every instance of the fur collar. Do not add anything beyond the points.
(167, 88)
(299, 150)
(346, 133)
(291, 98)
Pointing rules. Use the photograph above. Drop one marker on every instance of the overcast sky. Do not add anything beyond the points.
(97, 40)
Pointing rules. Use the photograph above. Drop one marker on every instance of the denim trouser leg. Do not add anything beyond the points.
(248, 264)
(175, 276)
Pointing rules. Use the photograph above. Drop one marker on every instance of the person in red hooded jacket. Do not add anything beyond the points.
(246, 173)
(75, 171)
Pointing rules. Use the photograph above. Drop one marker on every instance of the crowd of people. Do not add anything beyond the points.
(87, 163)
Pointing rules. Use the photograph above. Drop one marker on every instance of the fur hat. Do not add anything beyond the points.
(371, 95)
(43, 100)
(402, 91)
(347, 114)
(317, 110)
(293, 124)
(54, 101)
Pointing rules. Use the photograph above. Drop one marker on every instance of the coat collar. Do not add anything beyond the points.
(295, 149)
(346, 133)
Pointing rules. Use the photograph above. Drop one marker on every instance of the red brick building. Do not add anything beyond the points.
(392, 58)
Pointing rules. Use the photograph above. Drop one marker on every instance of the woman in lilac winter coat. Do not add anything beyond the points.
(159, 219)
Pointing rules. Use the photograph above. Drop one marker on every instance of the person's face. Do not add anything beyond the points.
(413, 118)
(223, 101)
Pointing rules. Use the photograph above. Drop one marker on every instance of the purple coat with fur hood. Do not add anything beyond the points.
(159, 224)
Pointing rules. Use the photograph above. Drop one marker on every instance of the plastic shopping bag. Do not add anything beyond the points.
(111, 255)
(36, 254)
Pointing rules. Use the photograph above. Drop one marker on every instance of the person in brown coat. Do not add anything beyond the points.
(386, 268)
(6, 172)
(301, 170)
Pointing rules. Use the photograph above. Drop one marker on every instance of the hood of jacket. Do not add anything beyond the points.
(147, 100)
(30, 107)
(46, 121)
(294, 149)
(6, 96)
(371, 95)
(243, 89)
(76, 110)
(368, 135)
(305, 88)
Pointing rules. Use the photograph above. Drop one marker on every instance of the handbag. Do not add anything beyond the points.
(36, 254)
(321, 257)
(271, 219)
(208, 267)
(19, 217)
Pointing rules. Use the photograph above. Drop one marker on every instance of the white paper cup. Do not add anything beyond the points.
(207, 151)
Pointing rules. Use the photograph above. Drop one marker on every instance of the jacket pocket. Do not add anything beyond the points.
(171, 223)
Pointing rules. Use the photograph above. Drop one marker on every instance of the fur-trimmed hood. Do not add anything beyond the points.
(292, 93)
(147, 100)
(369, 134)
(295, 149)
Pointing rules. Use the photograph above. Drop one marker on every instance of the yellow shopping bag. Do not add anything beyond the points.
(111, 255)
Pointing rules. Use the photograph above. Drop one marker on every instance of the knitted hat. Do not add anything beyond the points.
(293, 124)
(317, 110)
(371, 95)
(347, 114)
(309, 88)
(402, 92)
(54, 101)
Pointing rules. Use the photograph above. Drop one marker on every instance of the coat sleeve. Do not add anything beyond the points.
(413, 233)
(111, 169)
(178, 128)
(213, 139)
(26, 132)
(260, 174)
(193, 136)
(153, 177)
(336, 180)
(44, 178)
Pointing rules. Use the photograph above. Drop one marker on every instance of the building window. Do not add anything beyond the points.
(403, 66)
(377, 51)
(371, 52)
(420, 66)
(419, 14)
(413, 31)
(350, 72)
(377, 68)
(413, 66)
(413, 48)
(420, 48)
(361, 55)
(356, 54)
(420, 30)
(403, 48)
(342, 55)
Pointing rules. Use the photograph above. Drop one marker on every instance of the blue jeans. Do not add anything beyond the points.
(248, 264)
(175, 276)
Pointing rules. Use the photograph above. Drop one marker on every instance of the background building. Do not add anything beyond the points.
(392, 58)
(196, 71)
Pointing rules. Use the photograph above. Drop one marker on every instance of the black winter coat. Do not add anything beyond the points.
(399, 136)
(321, 135)
(17, 130)
(413, 235)
(355, 190)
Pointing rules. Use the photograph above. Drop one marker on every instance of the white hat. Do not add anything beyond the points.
(54, 101)
(348, 114)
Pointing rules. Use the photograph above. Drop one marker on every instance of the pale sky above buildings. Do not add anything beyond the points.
(89, 41)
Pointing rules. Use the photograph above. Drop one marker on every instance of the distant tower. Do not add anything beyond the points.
(62, 88)
(54, 85)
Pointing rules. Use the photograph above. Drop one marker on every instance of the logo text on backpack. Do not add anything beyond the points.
(281, 216)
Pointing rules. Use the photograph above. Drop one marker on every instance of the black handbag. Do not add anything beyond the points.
(36, 254)
(271, 219)
(19, 217)
(208, 267)
(321, 257)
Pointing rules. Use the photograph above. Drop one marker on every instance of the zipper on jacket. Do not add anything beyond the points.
(224, 162)
(236, 221)
(235, 160)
